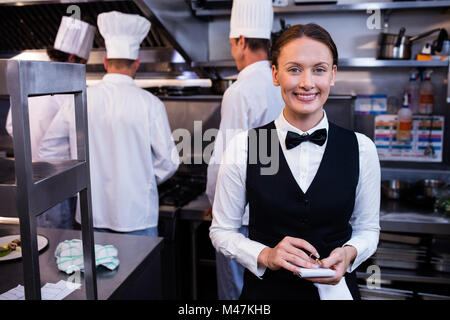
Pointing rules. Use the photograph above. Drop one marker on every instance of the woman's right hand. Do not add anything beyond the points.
(288, 254)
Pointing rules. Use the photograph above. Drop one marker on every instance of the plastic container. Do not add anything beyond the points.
(413, 91)
(404, 122)
(426, 94)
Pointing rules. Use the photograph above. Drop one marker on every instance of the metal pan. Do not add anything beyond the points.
(398, 46)
(394, 189)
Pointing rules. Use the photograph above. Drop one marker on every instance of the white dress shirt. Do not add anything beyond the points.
(250, 102)
(230, 196)
(131, 150)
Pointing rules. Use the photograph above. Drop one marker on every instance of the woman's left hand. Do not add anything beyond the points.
(338, 260)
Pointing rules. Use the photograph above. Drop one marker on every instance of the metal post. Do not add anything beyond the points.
(85, 198)
(24, 177)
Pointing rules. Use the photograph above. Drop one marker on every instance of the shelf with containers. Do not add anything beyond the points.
(27, 188)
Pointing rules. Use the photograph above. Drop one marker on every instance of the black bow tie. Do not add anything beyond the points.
(294, 139)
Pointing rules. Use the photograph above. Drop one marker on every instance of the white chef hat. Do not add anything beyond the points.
(251, 18)
(123, 33)
(75, 37)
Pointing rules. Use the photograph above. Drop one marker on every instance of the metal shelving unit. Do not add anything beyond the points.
(36, 187)
(401, 5)
(346, 62)
(353, 63)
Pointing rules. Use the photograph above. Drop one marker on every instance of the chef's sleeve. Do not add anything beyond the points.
(164, 152)
(233, 120)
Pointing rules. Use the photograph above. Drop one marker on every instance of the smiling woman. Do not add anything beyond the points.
(304, 65)
(324, 197)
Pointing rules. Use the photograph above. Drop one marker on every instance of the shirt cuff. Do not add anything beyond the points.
(252, 251)
(358, 259)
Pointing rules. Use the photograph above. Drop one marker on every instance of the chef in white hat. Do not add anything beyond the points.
(131, 149)
(249, 102)
(73, 44)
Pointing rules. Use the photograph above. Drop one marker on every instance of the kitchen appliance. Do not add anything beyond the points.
(398, 46)
(184, 186)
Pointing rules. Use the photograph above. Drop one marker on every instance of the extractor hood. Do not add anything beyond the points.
(30, 26)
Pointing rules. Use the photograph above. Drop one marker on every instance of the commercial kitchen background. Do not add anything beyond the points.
(189, 41)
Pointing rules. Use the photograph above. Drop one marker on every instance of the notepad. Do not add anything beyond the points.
(313, 273)
(50, 291)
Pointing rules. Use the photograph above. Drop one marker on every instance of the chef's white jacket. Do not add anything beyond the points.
(131, 150)
(41, 111)
(251, 101)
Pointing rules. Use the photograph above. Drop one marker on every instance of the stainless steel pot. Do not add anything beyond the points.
(430, 187)
(394, 189)
(398, 46)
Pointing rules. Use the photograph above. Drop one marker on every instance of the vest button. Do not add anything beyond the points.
(306, 201)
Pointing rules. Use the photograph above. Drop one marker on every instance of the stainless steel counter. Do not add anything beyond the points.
(195, 210)
(137, 277)
(397, 216)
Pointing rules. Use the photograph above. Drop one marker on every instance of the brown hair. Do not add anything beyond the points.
(59, 56)
(256, 44)
(310, 30)
(120, 63)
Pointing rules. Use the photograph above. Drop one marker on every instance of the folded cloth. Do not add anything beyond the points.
(69, 256)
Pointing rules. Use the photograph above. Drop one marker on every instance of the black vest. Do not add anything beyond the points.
(279, 208)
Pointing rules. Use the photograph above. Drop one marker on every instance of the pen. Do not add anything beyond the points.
(312, 256)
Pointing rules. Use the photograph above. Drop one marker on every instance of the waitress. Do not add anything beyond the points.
(324, 197)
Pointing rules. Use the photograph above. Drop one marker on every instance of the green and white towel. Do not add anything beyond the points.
(69, 256)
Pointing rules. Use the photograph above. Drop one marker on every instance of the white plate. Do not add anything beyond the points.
(42, 243)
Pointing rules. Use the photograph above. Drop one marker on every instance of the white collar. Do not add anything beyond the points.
(282, 124)
(118, 78)
(260, 65)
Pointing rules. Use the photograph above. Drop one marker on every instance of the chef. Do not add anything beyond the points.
(131, 149)
(73, 44)
(249, 102)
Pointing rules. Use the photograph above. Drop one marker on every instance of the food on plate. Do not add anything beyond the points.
(10, 247)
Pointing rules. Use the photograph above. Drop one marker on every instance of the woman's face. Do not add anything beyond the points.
(305, 73)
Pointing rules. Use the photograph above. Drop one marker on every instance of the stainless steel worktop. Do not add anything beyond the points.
(137, 277)
(397, 216)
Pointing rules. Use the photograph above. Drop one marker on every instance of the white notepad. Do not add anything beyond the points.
(313, 273)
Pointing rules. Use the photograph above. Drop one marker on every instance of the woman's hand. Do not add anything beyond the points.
(288, 254)
(339, 260)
